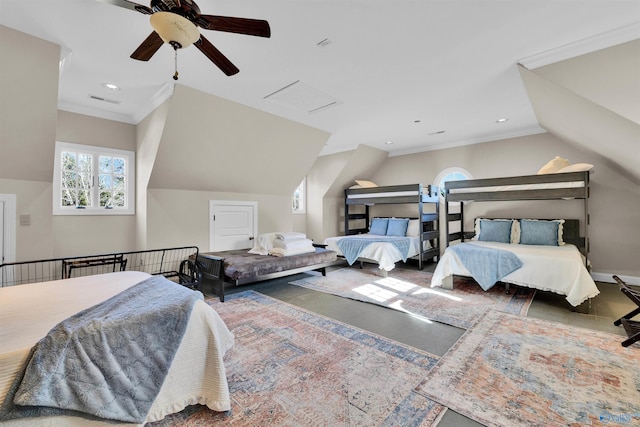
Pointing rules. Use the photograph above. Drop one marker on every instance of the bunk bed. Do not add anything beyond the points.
(422, 240)
(560, 266)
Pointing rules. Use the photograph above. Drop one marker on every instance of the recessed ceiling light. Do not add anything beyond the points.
(503, 120)
(436, 133)
(416, 121)
(111, 86)
(389, 142)
(324, 43)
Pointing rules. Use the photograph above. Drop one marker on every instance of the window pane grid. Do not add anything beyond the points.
(93, 180)
(298, 199)
(111, 182)
(76, 179)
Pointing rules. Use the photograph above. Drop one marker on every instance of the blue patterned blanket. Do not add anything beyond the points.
(108, 361)
(486, 265)
(352, 247)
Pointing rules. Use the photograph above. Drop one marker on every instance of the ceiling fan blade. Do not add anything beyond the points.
(149, 46)
(129, 5)
(251, 27)
(216, 56)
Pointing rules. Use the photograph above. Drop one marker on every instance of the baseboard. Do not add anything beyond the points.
(608, 278)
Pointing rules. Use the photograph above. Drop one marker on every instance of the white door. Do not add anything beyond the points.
(1, 231)
(232, 225)
(7, 235)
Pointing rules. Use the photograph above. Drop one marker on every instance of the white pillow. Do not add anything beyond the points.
(577, 167)
(554, 165)
(366, 184)
(413, 230)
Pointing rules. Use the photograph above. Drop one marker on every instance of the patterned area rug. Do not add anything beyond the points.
(291, 367)
(408, 290)
(509, 370)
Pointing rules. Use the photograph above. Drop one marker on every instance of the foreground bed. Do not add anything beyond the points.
(196, 375)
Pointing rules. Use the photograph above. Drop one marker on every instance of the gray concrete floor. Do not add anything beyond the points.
(437, 338)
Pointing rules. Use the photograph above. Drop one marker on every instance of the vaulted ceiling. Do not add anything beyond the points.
(418, 74)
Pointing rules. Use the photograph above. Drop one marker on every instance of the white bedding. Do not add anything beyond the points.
(386, 254)
(197, 375)
(518, 187)
(387, 194)
(558, 269)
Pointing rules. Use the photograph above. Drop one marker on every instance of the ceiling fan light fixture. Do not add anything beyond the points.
(175, 29)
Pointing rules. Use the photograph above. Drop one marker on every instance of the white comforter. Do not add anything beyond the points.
(197, 375)
(558, 269)
(386, 254)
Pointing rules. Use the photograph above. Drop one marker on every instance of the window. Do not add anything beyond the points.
(451, 174)
(299, 198)
(93, 180)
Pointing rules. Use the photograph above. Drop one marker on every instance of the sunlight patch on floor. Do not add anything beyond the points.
(397, 305)
(437, 293)
(398, 285)
(375, 292)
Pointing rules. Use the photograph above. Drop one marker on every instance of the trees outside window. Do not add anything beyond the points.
(93, 180)
(299, 198)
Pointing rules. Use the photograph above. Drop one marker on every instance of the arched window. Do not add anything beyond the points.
(451, 174)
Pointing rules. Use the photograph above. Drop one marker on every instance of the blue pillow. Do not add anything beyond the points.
(379, 226)
(539, 232)
(397, 227)
(495, 231)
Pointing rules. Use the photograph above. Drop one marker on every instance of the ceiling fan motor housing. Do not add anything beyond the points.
(185, 8)
(174, 29)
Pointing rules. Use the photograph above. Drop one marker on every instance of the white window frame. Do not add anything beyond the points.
(129, 156)
(303, 198)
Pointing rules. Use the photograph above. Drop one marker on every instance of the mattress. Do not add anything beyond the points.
(242, 266)
(384, 253)
(518, 187)
(196, 376)
(559, 269)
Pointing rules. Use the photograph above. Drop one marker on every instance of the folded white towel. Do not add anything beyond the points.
(263, 244)
(289, 252)
(290, 235)
(293, 244)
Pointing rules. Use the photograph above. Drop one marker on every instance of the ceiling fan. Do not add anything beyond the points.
(176, 22)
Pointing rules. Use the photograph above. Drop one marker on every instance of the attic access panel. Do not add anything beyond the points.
(303, 97)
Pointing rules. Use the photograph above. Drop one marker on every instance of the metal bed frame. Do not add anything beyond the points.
(177, 264)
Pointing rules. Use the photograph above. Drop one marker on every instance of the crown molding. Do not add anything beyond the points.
(581, 47)
(164, 93)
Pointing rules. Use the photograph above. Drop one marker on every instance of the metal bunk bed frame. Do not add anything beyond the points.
(404, 194)
(526, 193)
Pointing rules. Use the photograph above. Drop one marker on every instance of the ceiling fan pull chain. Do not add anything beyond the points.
(175, 50)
